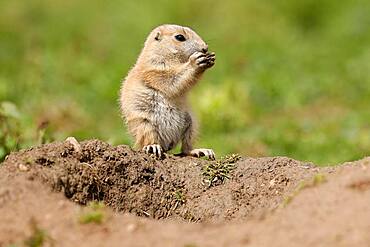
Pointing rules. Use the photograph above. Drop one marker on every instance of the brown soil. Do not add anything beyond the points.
(172, 202)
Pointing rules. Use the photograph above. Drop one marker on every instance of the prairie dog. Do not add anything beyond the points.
(153, 95)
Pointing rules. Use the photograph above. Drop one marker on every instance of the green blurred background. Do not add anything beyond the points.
(291, 77)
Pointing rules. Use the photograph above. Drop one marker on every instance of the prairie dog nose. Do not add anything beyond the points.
(205, 49)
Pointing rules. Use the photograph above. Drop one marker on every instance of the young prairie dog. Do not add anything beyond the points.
(153, 95)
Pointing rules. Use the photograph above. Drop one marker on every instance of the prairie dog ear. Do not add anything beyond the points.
(158, 36)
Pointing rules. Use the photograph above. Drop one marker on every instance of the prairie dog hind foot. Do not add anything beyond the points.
(200, 152)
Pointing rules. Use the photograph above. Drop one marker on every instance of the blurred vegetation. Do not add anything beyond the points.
(93, 213)
(291, 79)
(9, 129)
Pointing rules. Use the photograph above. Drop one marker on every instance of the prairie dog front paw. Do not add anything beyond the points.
(202, 60)
(153, 149)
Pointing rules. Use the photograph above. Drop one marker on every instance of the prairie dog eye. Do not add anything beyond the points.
(180, 37)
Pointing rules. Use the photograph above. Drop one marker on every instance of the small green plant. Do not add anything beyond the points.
(38, 236)
(94, 213)
(218, 171)
(92, 217)
(179, 196)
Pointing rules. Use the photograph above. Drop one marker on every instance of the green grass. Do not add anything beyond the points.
(93, 213)
(38, 237)
(9, 129)
(179, 196)
(217, 172)
(291, 77)
(36, 240)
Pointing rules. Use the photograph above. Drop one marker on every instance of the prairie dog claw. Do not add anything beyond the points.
(153, 149)
(200, 152)
(203, 60)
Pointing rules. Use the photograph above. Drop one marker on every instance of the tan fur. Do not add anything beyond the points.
(153, 95)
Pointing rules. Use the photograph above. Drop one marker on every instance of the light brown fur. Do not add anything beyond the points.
(153, 95)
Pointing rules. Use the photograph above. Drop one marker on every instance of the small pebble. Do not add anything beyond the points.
(272, 183)
(74, 142)
(23, 168)
(131, 227)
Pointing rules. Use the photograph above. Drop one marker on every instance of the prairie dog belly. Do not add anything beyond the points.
(169, 120)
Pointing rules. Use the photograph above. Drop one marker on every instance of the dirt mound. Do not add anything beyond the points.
(173, 187)
(296, 203)
(333, 211)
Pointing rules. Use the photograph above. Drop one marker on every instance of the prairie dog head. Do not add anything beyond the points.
(174, 42)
